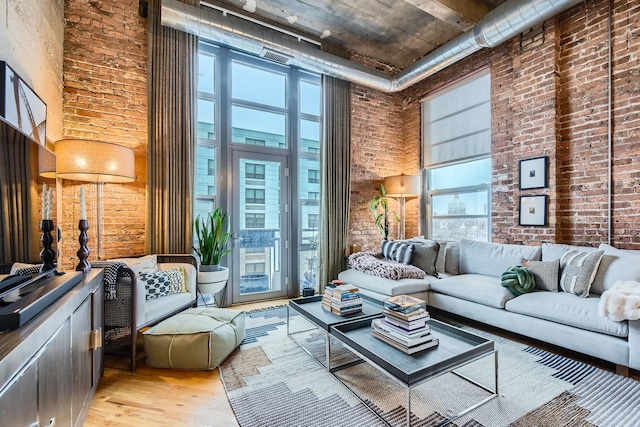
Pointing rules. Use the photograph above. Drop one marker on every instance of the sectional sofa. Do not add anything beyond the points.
(466, 281)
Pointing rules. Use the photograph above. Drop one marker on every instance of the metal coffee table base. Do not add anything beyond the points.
(494, 391)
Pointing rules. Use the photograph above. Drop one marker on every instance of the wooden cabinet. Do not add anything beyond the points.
(50, 367)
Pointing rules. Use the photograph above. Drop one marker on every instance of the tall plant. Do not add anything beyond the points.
(213, 234)
(382, 218)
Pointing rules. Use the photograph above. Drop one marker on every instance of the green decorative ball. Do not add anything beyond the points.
(518, 280)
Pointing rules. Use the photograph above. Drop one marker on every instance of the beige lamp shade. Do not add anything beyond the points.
(402, 186)
(94, 161)
(46, 163)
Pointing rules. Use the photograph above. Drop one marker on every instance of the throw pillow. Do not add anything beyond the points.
(578, 271)
(518, 280)
(426, 254)
(397, 251)
(452, 258)
(545, 273)
(161, 283)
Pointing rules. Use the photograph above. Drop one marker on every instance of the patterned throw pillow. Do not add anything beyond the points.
(397, 251)
(161, 283)
(578, 271)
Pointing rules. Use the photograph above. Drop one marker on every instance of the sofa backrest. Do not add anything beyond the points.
(492, 259)
(616, 265)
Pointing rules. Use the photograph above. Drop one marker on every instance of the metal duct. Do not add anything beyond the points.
(501, 24)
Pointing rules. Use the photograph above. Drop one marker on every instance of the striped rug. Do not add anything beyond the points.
(271, 381)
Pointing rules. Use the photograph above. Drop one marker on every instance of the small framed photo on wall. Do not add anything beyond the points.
(533, 173)
(533, 210)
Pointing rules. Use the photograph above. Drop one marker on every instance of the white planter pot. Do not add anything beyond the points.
(211, 282)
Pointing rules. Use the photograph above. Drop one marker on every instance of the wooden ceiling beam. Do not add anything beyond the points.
(462, 14)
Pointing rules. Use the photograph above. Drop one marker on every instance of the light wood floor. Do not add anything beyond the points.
(164, 397)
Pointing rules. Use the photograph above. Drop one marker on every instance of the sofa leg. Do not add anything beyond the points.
(622, 370)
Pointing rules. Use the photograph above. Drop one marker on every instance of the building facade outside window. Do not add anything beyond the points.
(456, 135)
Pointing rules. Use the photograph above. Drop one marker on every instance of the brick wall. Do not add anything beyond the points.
(105, 98)
(551, 99)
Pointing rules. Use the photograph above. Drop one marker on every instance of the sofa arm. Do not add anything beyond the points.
(634, 344)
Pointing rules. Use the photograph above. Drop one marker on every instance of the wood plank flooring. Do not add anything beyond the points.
(164, 397)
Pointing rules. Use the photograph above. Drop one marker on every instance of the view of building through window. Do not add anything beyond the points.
(457, 147)
(255, 103)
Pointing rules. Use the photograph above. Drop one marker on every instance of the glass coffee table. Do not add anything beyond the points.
(310, 311)
(456, 349)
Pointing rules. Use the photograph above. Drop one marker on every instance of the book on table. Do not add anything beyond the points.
(404, 304)
(409, 350)
(401, 338)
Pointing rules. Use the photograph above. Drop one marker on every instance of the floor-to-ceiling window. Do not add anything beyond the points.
(257, 157)
(456, 133)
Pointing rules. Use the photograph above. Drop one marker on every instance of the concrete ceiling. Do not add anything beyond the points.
(396, 32)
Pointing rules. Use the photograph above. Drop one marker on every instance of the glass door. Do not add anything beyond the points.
(260, 211)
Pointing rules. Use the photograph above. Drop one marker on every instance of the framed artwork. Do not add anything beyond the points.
(533, 210)
(21, 107)
(533, 173)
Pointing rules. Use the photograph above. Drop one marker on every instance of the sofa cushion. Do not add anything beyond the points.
(578, 269)
(426, 254)
(451, 260)
(567, 309)
(398, 251)
(545, 273)
(485, 290)
(616, 265)
(492, 259)
(386, 286)
(553, 251)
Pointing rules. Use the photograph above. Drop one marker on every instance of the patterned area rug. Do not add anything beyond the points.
(271, 381)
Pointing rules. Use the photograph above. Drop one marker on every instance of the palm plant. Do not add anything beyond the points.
(382, 218)
(213, 237)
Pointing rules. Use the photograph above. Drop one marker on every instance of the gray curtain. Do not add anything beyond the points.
(335, 162)
(173, 67)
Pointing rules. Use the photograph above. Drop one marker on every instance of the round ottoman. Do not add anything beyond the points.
(197, 338)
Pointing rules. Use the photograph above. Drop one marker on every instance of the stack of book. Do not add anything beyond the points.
(342, 299)
(404, 325)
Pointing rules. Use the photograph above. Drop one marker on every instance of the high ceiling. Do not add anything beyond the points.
(396, 32)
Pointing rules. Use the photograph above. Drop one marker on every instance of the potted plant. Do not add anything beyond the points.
(213, 234)
(382, 218)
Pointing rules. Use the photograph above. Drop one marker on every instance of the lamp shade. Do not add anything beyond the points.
(46, 163)
(402, 185)
(94, 161)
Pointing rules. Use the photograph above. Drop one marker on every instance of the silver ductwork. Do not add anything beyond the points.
(499, 25)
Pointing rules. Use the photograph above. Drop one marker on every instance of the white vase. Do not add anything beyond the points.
(211, 282)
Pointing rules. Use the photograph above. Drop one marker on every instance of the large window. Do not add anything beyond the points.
(456, 137)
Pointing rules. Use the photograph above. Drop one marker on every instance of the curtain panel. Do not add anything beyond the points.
(335, 159)
(173, 67)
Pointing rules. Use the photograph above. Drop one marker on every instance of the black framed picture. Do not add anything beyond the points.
(533, 210)
(533, 173)
(21, 107)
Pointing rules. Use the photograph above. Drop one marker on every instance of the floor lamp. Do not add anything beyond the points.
(94, 161)
(402, 187)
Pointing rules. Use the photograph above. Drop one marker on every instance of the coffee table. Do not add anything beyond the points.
(310, 309)
(457, 348)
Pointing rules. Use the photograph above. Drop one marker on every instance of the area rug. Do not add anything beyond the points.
(271, 381)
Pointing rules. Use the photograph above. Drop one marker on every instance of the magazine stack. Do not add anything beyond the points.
(404, 325)
(342, 299)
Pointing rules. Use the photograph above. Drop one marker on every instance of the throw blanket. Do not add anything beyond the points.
(374, 264)
(621, 302)
(111, 274)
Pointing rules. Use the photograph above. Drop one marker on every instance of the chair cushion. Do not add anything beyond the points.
(197, 338)
(567, 309)
(485, 290)
(161, 283)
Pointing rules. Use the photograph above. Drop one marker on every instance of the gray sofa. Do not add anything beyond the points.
(468, 284)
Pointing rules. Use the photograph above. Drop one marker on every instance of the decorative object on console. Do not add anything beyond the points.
(533, 173)
(20, 105)
(83, 238)
(533, 210)
(95, 161)
(47, 254)
(402, 187)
